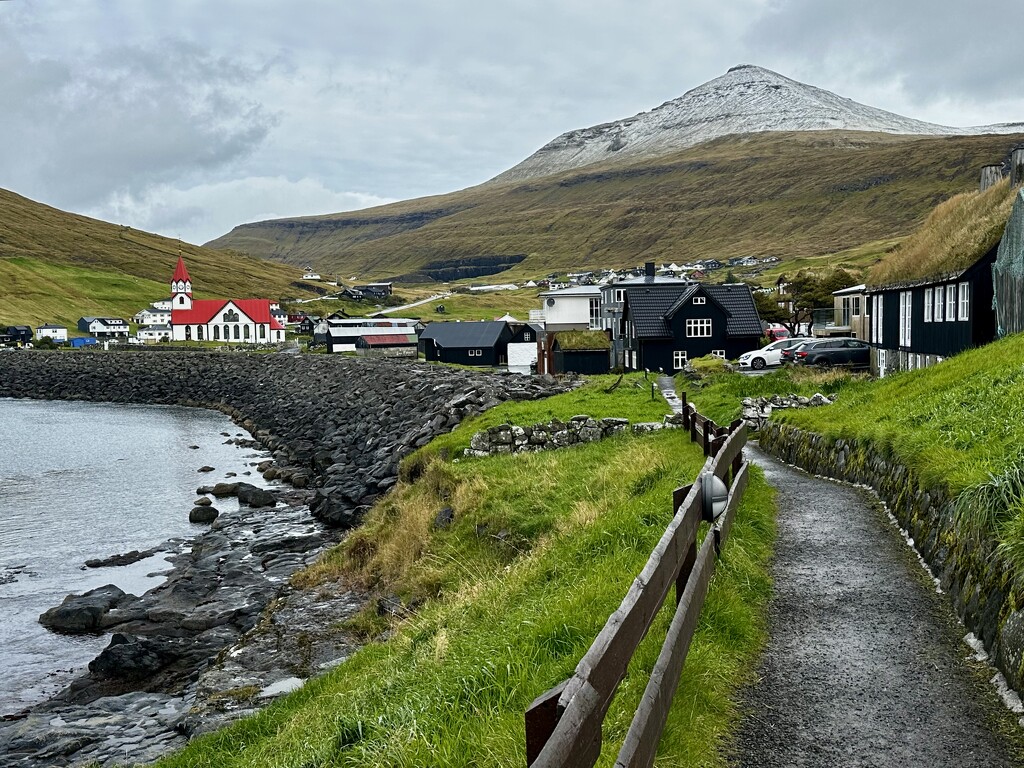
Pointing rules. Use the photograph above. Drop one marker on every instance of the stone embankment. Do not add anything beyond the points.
(337, 429)
(971, 572)
(757, 410)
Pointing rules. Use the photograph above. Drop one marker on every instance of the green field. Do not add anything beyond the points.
(542, 549)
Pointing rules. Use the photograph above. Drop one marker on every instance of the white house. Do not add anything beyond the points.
(153, 315)
(342, 334)
(577, 308)
(152, 333)
(104, 327)
(57, 333)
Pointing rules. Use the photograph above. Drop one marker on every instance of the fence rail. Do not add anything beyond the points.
(563, 725)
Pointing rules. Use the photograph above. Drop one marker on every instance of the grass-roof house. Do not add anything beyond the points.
(932, 298)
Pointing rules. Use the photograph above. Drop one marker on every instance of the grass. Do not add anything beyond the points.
(58, 266)
(956, 234)
(719, 395)
(541, 550)
(794, 196)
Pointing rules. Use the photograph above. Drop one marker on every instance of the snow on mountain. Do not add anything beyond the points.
(746, 99)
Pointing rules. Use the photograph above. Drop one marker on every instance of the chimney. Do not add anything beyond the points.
(649, 269)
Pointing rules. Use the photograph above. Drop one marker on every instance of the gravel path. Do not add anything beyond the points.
(865, 664)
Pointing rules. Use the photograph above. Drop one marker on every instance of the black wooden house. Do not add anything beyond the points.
(664, 325)
(917, 323)
(468, 343)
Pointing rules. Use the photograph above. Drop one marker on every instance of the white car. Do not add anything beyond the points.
(769, 355)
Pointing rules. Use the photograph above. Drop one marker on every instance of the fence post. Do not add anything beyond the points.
(707, 438)
(541, 718)
(693, 425)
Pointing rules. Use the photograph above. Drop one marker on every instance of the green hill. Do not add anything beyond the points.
(791, 195)
(58, 266)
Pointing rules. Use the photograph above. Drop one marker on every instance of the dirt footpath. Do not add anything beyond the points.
(865, 665)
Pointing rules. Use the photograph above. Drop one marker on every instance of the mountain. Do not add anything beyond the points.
(800, 173)
(746, 99)
(59, 266)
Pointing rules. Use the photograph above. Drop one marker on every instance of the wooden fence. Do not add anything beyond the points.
(563, 725)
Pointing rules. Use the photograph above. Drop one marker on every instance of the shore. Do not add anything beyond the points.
(225, 633)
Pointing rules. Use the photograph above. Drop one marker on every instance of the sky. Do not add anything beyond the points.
(187, 118)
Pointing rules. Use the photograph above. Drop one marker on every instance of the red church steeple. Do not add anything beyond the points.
(181, 287)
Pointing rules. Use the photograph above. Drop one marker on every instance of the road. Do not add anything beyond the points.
(865, 665)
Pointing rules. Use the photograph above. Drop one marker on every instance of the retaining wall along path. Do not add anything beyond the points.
(977, 581)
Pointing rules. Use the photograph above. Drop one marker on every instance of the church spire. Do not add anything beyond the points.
(181, 286)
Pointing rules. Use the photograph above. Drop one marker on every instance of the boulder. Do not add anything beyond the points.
(203, 514)
(220, 490)
(134, 658)
(252, 496)
(81, 614)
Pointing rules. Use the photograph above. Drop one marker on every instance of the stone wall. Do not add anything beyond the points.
(508, 438)
(977, 581)
(335, 423)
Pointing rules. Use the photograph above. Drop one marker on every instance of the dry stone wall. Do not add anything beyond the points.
(509, 438)
(976, 579)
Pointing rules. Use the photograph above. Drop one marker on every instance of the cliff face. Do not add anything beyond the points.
(746, 99)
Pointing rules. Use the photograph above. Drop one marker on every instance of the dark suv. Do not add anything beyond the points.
(851, 353)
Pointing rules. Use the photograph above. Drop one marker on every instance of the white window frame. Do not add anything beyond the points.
(719, 353)
(906, 305)
(475, 353)
(620, 295)
(595, 323)
(679, 358)
(940, 303)
(927, 305)
(950, 303)
(700, 300)
(698, 327)
(527, 336)
(964, 294)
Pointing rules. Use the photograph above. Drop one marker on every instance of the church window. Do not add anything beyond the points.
(181, 299)
(227, 333)
(263, 331)
(245, 333)
(188, 333)
(199, 332)
(231, 316)
(236, 333)
(216, 333)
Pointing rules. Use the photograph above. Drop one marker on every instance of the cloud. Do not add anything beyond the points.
(205, 211)
(125, 118)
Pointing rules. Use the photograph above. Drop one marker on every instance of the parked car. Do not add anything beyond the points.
(776, 332)
(787, 355)
(851, 353)
(770, 354)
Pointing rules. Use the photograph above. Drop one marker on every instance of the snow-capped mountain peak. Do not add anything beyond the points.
(746, 99)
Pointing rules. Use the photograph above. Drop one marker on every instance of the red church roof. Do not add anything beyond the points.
(204, 310)
(181, 272)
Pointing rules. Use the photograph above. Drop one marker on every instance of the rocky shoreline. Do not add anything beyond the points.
(337, 428)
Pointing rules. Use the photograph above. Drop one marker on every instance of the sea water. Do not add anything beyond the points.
(88, 480)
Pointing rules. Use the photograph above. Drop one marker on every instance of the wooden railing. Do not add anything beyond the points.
(563, 725)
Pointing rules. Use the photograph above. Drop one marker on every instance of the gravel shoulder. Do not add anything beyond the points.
(865, 664)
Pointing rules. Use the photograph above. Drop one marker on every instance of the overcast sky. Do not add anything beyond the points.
(188, 117)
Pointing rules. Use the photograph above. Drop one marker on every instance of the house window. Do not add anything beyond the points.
(965, 294)
(679, 359)
(699, 300)
(476, 353)
(846, 311)
(950, 303)
(698, 327)
(940, 298)
(595, 314)
(906, 302)
(527, 336)
(927, 305)
(620, 295)
(856, 306)
(719, 353)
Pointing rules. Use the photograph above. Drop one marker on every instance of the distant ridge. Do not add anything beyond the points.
(746, 99)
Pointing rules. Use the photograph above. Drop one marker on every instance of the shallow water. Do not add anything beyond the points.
(88, 480)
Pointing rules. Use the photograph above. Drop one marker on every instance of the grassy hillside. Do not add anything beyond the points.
(793, 195)
(58, 266)
(542, 548)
